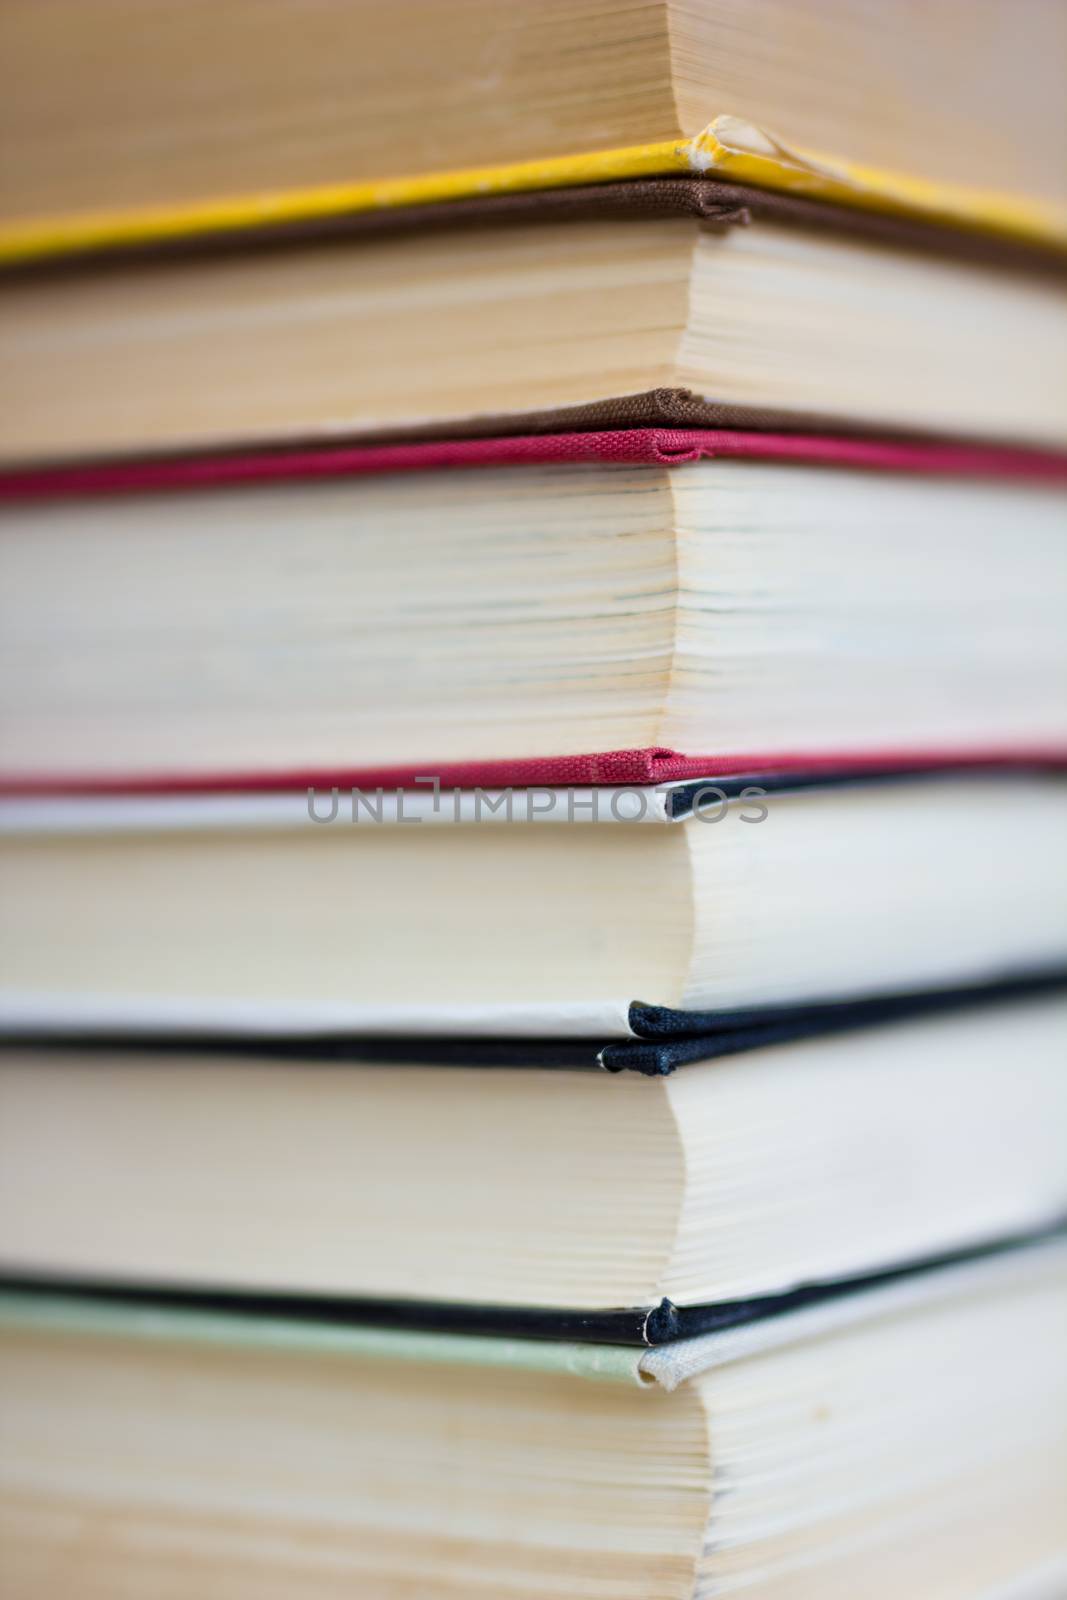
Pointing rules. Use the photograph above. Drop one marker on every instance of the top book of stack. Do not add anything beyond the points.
(190, 116)
(567, 253)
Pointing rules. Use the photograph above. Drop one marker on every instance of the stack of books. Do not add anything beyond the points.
(534, 764)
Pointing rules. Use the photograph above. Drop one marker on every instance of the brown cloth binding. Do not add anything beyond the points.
(707, 201)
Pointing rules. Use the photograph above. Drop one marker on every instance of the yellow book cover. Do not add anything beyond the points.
(728, 147)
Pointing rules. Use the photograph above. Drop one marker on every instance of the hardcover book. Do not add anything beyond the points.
(502, 915)
(312, 112)
(506, 318)
(620, 607)
(514, 1192)
(907, 1441)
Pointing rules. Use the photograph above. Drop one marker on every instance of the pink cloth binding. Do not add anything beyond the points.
(605, 767)
(636, 446)
(631, 447)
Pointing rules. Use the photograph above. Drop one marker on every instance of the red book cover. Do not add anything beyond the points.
(652, 446)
